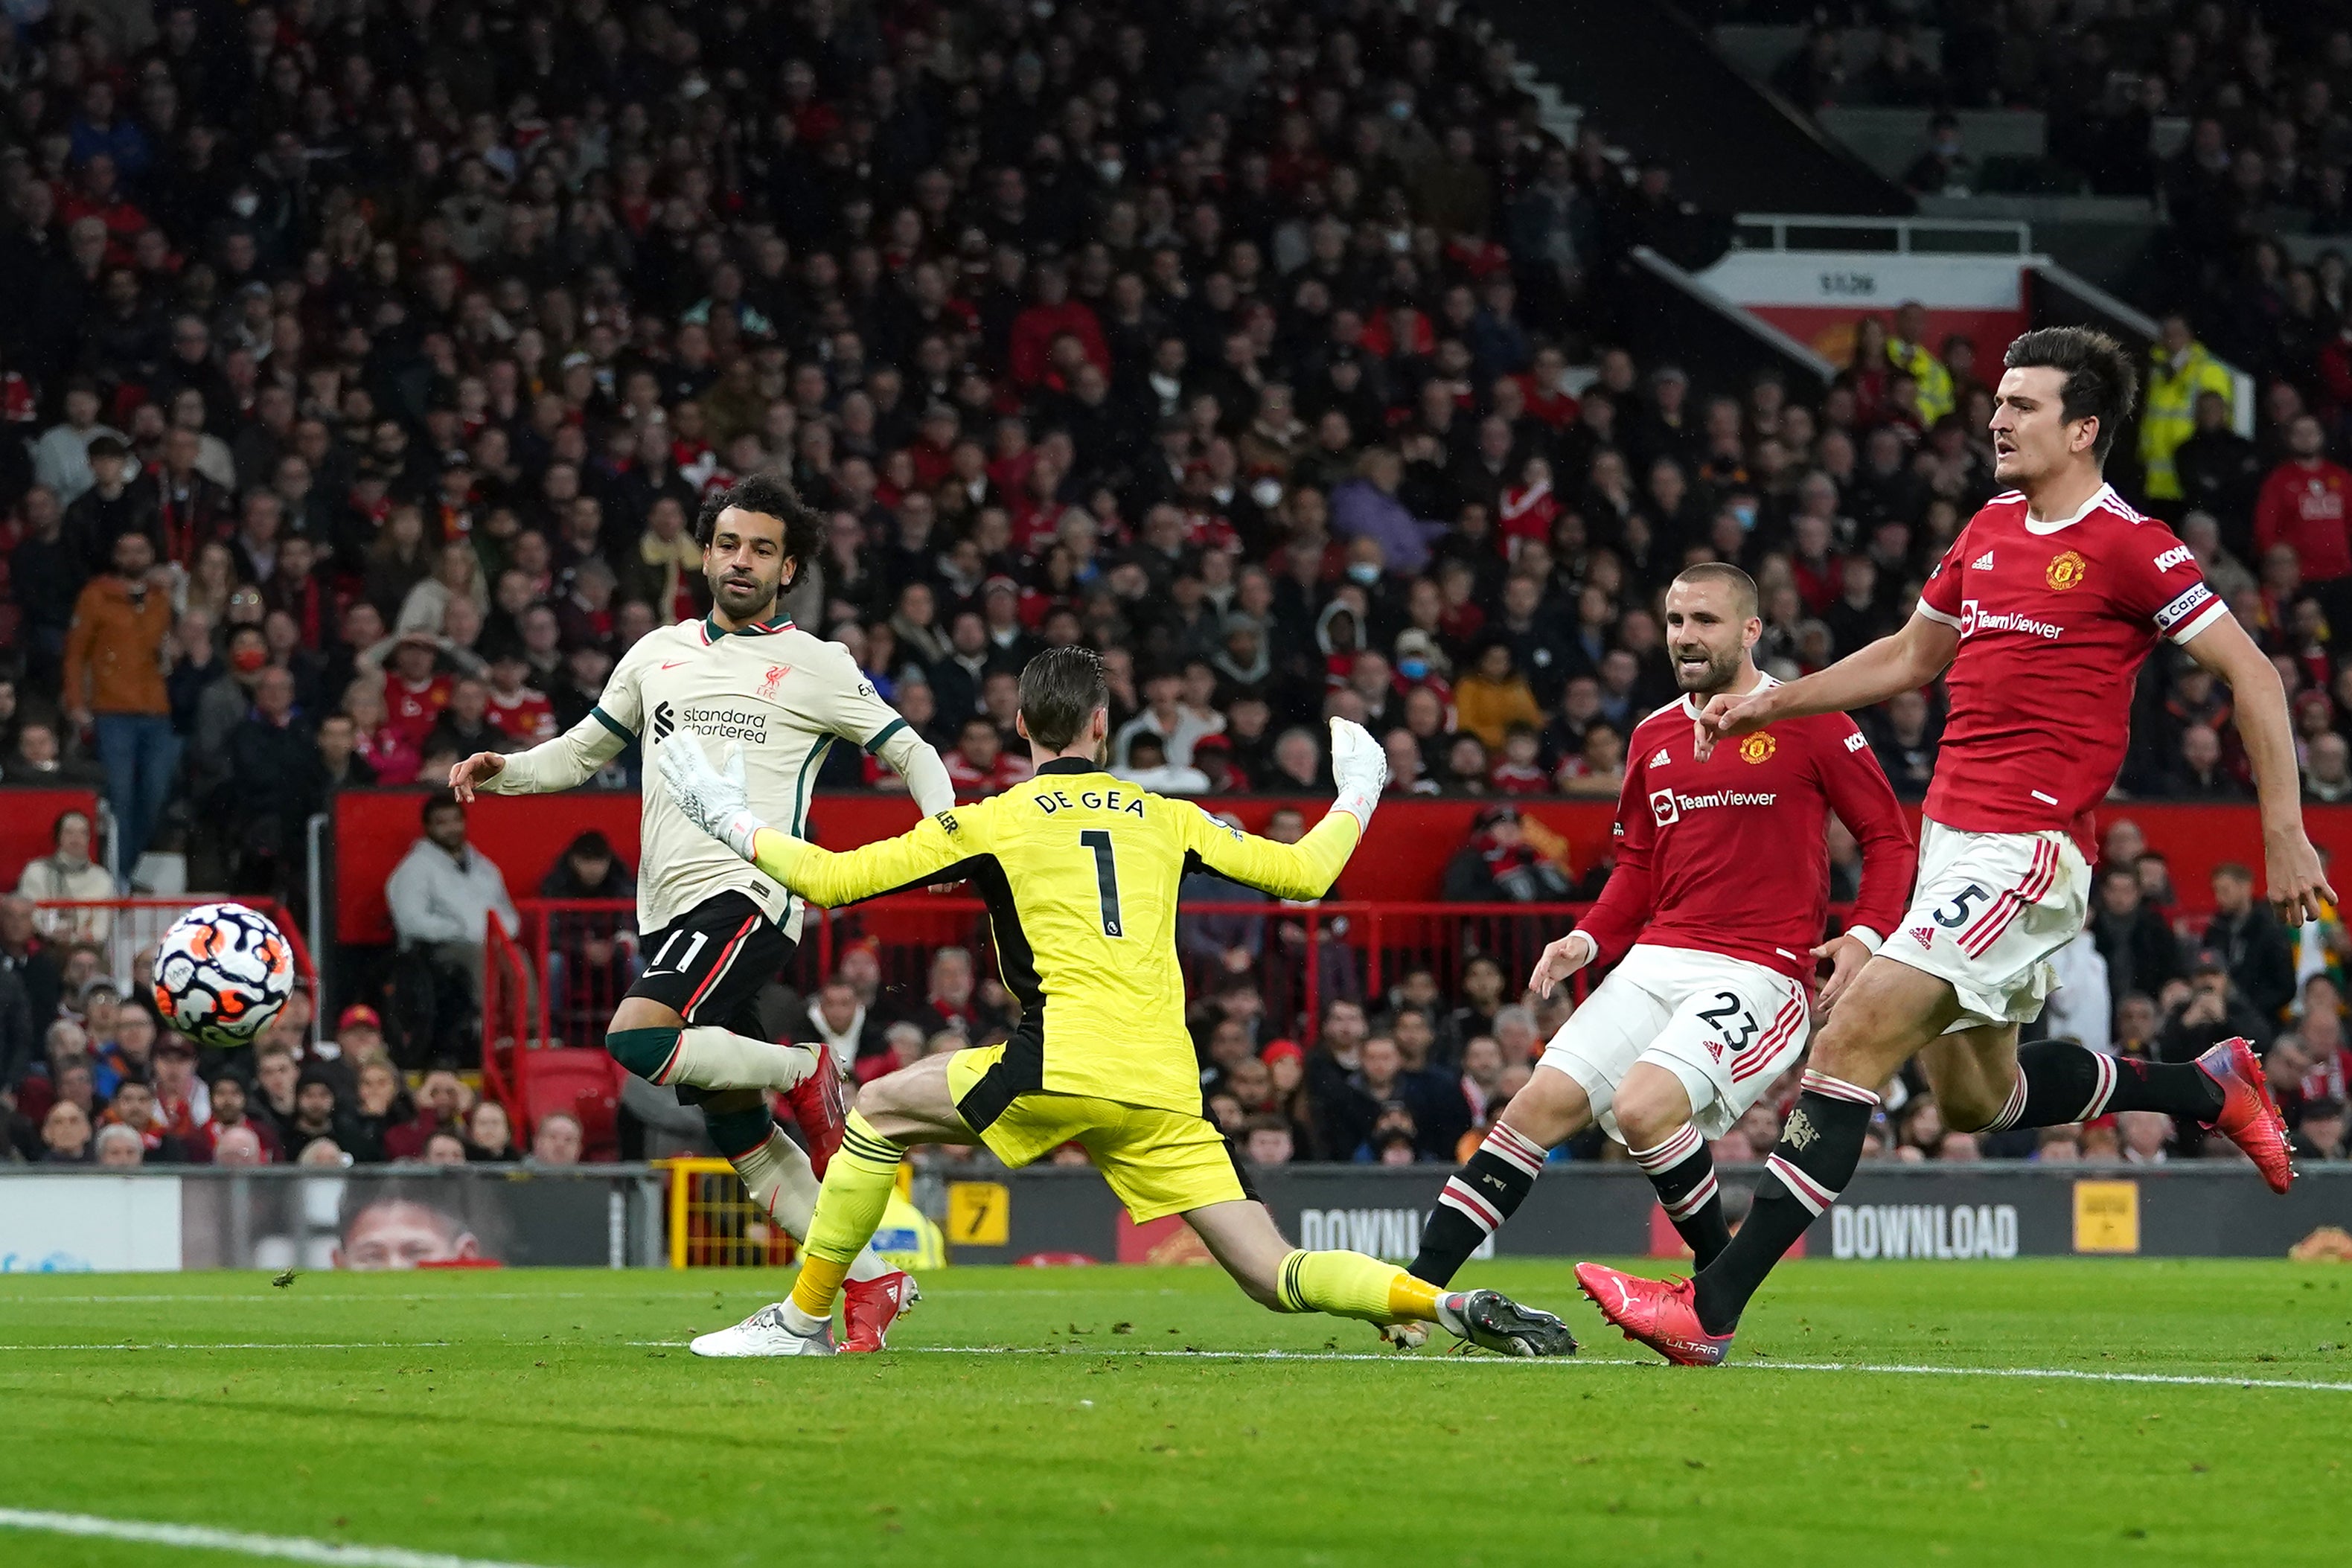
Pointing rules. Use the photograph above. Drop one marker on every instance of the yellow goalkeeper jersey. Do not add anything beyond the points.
(1079, 873)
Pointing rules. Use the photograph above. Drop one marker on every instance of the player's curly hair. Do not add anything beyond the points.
(770, 495)
(2100, 381)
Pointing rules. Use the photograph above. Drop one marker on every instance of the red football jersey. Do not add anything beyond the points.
(1730, 855)
(2304, 505)
(2055, 621)
(410, 711)
(972, 782)
(527, 717)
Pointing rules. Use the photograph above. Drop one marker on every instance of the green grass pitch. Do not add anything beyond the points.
(556, 1418)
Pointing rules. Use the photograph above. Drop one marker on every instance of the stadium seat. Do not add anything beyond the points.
(583, 1083)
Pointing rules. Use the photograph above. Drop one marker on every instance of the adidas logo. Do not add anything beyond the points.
(1923, 935)
(1982, 562)
(1661, 759)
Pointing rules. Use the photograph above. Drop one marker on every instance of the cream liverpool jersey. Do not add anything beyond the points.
(785, 695)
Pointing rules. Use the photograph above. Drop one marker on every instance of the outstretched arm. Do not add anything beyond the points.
(715, 799)
(569, 759)
(925, 853)
(1901, 662)
(1301, 871)
(2297, 883)
(1307, 868)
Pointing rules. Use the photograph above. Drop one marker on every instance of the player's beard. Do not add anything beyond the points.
(1721, 670)
(738, 601)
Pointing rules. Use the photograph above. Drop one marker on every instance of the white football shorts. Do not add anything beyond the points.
(1988, 913)
(1726, 1027)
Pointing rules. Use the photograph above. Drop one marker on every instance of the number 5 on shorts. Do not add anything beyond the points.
(1955, 914)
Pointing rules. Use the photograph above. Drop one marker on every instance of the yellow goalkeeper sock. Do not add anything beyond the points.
(857, 1186)
(1350, 1285)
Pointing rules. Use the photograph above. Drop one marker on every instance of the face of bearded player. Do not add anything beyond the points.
(744, 564)
(1711, 624)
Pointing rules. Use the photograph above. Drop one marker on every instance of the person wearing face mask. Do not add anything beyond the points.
(224, 704)
(114, 665)
(1419, 663)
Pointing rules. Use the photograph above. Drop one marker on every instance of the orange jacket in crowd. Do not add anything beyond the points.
(114, 650)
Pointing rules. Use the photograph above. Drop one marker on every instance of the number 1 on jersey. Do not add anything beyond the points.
(1106, 877)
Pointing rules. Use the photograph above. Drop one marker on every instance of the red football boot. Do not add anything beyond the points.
(820, 1109)
(1660, 1314)
(868, 1308)
(2250, 1118)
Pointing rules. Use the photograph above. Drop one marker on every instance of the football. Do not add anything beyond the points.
(221, 973)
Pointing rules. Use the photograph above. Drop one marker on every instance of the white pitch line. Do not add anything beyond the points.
(2068, 1374)
(1885, 1369)
(1882, 1369)
(165, 1298)
(250, 1344)
(296, 1297)
(293, 1548)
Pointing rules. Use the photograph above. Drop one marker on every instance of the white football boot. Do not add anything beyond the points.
(764, 1333)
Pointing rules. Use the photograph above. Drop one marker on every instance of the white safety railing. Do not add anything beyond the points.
(1885, 236)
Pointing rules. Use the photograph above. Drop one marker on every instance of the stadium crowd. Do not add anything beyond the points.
(2264, 93)
(376, 359)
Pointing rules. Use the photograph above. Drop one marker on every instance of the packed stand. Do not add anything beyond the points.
(381, 358)
(2265, 93)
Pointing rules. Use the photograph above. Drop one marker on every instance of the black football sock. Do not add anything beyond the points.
(1683, 1173)
(1476, 1200)
(1809, 1167)
(740, 1122)
(2059, 1083)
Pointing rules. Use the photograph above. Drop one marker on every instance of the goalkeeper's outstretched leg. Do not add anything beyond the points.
(1132, 1145)
(1242, 1236)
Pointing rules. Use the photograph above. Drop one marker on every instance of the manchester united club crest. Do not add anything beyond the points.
(1757, 747)
(772, 680)
(2067, 570)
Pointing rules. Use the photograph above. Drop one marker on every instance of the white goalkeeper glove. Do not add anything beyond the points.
(1360, 768)
(713, 799)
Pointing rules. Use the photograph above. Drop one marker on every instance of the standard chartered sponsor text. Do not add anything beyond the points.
(726, 723)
